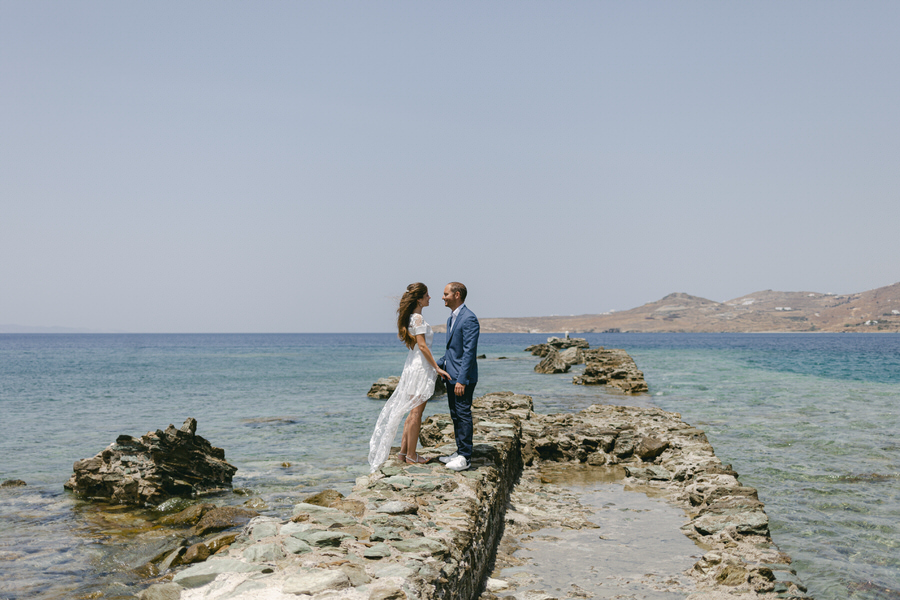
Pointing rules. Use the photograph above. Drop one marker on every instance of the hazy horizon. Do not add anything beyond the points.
(279, 167)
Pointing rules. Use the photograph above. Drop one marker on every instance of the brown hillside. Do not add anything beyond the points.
(764, 311)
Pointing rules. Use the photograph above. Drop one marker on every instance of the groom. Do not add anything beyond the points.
(459, 362)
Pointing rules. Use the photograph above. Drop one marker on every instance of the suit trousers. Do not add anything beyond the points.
(461, 413)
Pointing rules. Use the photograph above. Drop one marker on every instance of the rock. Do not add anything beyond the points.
(567, 342)
(153, 468)
(612, 367)
(351, 507)
(732, 575)
(552, 363)
(384, 387)
(256, 504)
(261, 527)
(651, 473)
(188, 516)
(322, 538)
(625, 445)
(649, 448)
(384, 534)
(420, 545)
(206, 572)
(337, 519)
(572, 356)
(294, 546)
(161, 591)
(324, 498)
(172, 559)
(315, 581)
(386, 591)
(196, 553)
(398, 507)
(378, 551)
(754, 522)
(263, 553)
(496, 585)
(538, 349)
(356, 574)
(223, 517)
(10, 483)
(223, 540)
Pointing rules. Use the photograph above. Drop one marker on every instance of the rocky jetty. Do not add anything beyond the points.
(384, 387)
(612, 367)
(153, 468)
(422, 531)
(406, 531)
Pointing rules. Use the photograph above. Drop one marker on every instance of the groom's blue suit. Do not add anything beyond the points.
(460, 362)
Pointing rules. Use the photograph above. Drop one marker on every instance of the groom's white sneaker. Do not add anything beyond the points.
(446, 459)
(460, 463)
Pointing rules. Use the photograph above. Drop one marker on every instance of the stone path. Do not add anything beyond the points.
(422, 531)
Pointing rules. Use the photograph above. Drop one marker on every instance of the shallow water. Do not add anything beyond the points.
(638, 551)
(809, 420)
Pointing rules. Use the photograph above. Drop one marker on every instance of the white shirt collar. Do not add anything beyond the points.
(453, 316)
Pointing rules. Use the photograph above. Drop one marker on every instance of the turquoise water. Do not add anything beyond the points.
(809, 420)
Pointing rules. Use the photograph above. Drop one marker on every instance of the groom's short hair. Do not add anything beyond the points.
(456, 286)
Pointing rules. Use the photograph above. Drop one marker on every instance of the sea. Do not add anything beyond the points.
(810, 420)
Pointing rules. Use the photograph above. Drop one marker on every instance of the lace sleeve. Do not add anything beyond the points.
(417, 324)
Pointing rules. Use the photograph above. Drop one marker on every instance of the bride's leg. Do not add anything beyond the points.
(411, 431)
(404, 441)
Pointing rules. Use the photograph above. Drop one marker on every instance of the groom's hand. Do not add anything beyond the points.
(459, 389)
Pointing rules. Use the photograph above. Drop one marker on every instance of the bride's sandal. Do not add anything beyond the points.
(401, 456)
(418, 460)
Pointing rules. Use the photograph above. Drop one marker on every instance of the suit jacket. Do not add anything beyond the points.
(462, 346)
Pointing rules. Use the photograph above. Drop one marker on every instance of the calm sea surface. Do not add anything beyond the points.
(811, 421)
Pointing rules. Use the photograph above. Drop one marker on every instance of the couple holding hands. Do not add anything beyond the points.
(457, 367)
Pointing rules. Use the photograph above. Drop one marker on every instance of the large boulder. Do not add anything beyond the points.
(153, 468)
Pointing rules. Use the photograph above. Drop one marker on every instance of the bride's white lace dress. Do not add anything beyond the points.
(415, 387)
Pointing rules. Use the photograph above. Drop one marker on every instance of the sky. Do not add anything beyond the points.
(292, 166)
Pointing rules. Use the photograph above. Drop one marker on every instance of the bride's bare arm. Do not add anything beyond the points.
(426, 352)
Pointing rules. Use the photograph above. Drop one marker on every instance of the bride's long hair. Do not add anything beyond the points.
(408, 303)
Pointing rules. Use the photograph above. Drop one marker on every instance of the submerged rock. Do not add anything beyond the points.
(153, 468)
(13, 483)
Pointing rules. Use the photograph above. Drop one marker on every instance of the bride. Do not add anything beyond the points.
(416, 384)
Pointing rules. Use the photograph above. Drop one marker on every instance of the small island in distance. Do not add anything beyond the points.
(877, 310)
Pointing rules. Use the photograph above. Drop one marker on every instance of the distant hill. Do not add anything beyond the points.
(765, 311)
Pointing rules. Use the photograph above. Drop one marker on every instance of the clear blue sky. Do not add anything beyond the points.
(291, 166)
